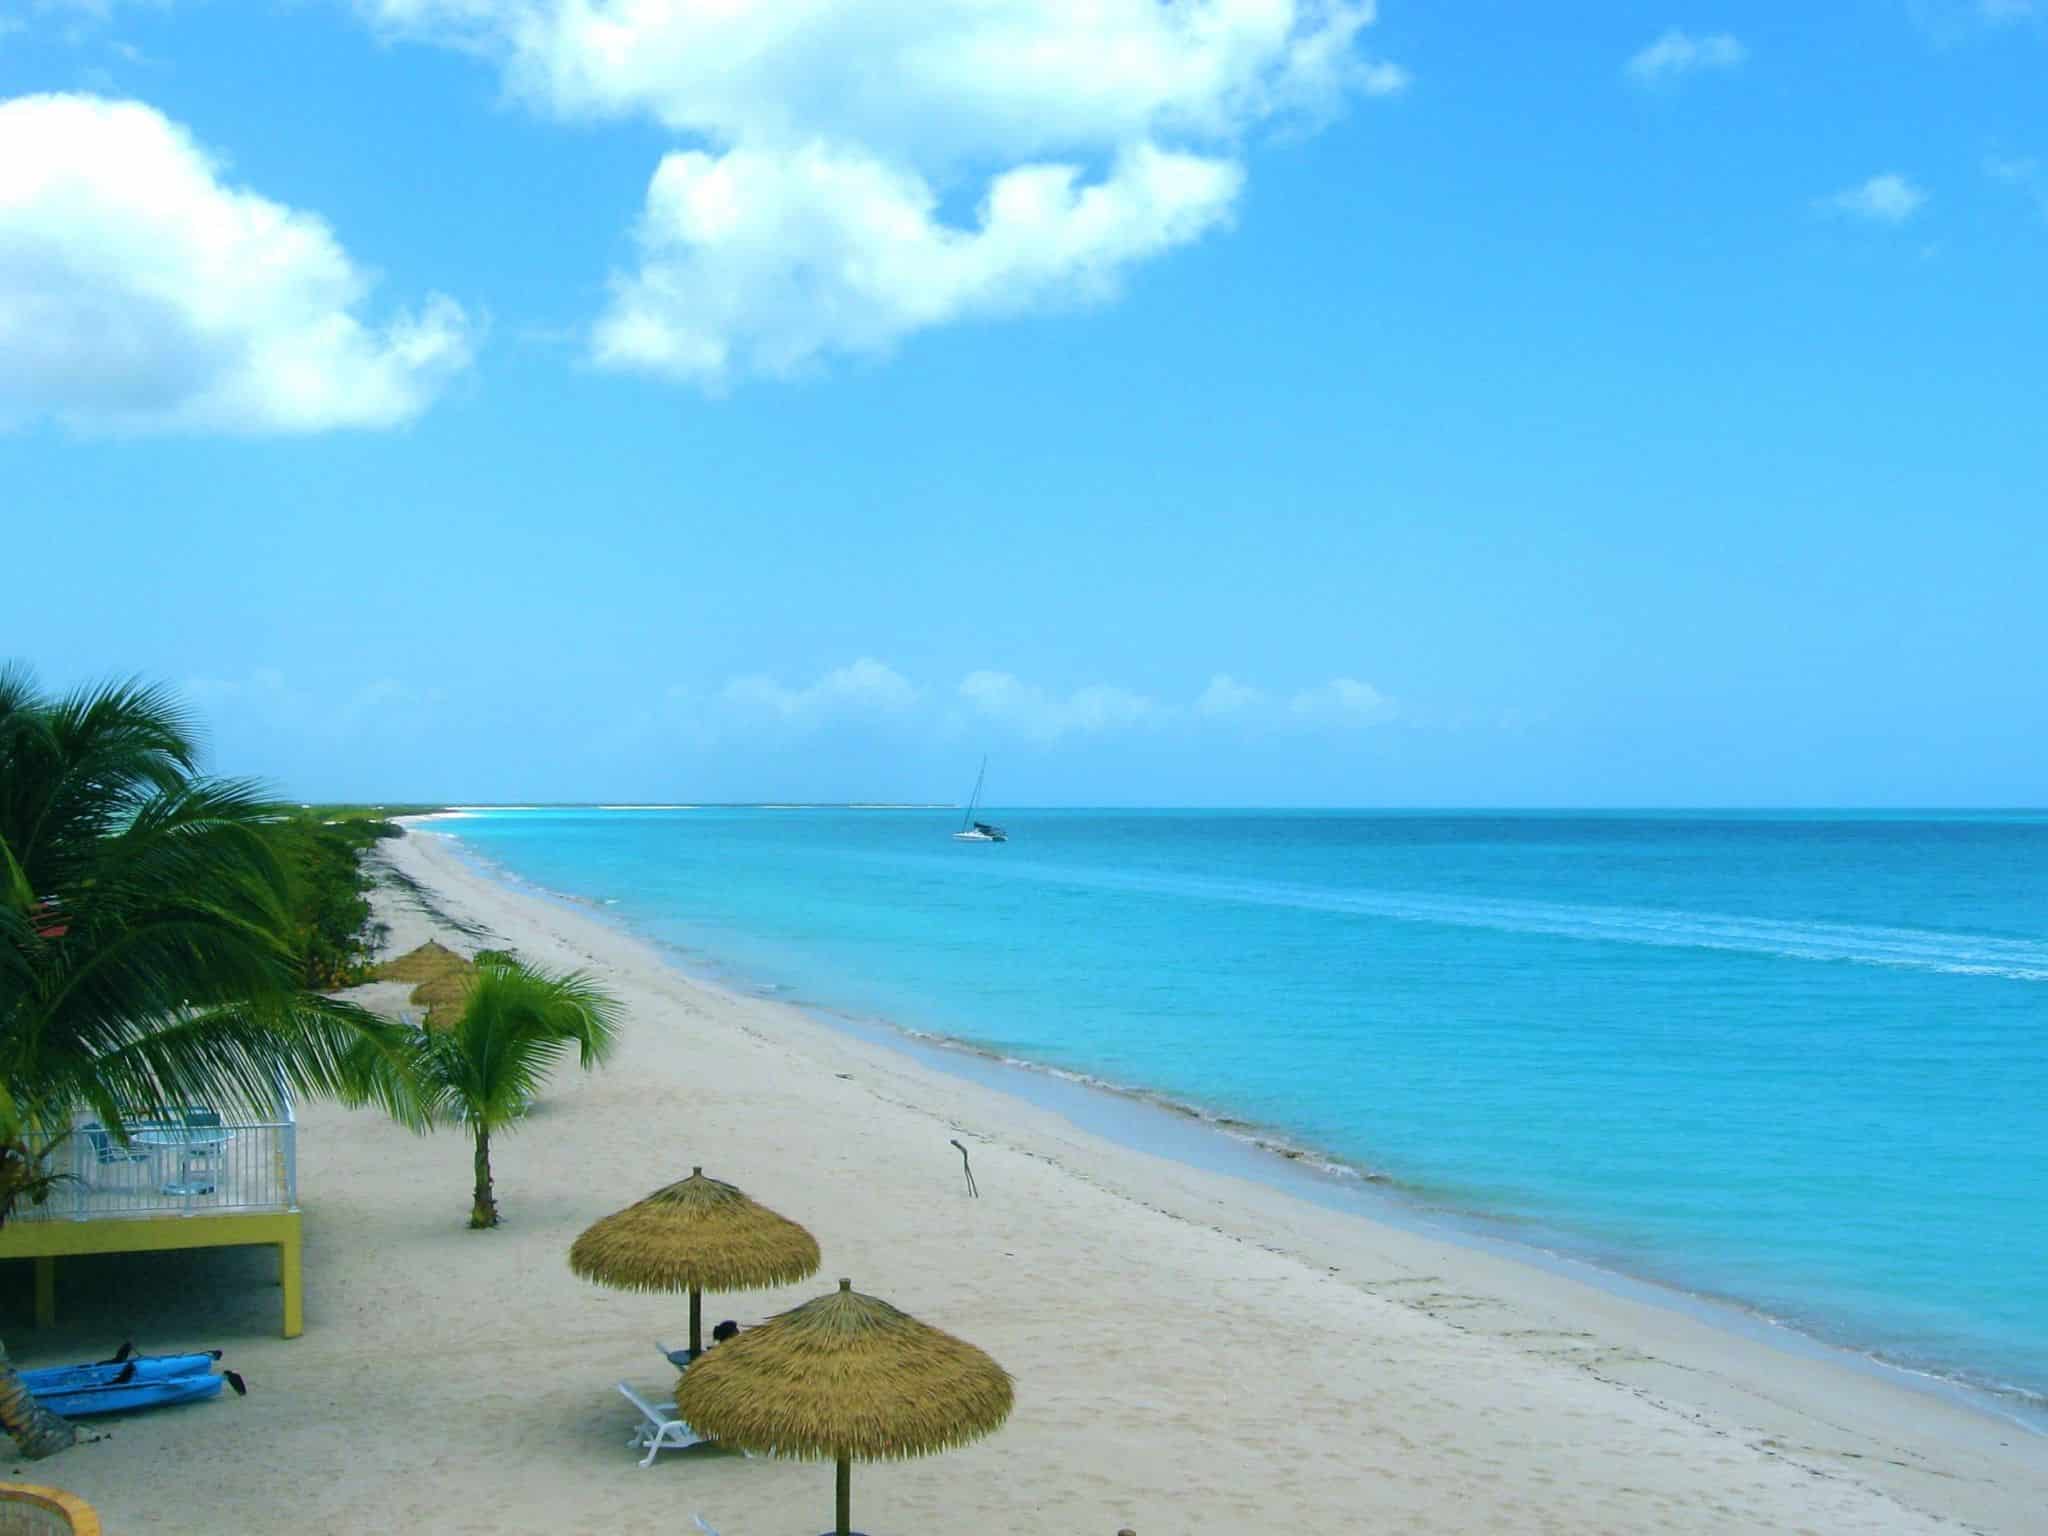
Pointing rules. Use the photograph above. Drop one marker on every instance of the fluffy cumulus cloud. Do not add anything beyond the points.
(139, 291)
(1226, 696)
(1045, 715)
(863, 169)
(1884, 199)
(763, 261)
(1680, 53)
(1342, 701)
(867, 687)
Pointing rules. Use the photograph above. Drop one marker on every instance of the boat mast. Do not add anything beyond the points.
(974, 799)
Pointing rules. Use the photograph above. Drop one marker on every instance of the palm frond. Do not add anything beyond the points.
(515, 1025)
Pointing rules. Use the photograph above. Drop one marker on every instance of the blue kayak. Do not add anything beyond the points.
(85, 1402)
(117, 1372)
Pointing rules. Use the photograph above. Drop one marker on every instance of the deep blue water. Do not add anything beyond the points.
(1798, 1061)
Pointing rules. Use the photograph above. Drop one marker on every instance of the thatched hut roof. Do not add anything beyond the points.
(845, 1375)
(450, 990)
(697, 1234)
(423, 964)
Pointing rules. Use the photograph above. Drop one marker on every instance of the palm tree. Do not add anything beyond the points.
(146, 951)
(485, 1068)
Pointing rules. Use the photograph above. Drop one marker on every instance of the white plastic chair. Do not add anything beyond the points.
(659, 1430)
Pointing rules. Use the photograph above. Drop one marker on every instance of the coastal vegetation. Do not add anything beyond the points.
(155, 946)
(322, 848)
(491, 1046)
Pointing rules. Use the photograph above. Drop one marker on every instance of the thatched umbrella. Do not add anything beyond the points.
(449, 990)
(423, 964)
(845, 1376)
(696, 1235)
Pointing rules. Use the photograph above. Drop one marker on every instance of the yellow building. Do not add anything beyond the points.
(184, 1180)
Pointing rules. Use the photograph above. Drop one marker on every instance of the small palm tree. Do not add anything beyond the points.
(485, 1068)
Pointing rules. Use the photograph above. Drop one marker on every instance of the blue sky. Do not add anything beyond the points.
(1253, 401)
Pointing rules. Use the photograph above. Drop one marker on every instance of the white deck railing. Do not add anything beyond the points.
(174, 1167)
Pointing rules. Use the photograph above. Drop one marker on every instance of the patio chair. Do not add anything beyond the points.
(659, 1428)
(207, 1150)
(109, 1153)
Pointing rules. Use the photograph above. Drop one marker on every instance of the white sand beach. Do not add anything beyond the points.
(1192, 1351)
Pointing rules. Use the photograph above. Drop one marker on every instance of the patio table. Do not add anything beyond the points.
(190, 1142)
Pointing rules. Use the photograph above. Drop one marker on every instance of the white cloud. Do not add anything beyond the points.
(1342, 701)
(1225, 695)
(1950, 22)
(139, 292)
(814, 211)
(869, 692)
(1046, 715)
(929, 80)
(1679, 53)
(717, 289)
(1381, 78)
(867, 687)
(1036, 712)
(1886, 199)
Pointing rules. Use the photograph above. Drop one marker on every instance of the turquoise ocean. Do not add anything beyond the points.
(1794, 1061)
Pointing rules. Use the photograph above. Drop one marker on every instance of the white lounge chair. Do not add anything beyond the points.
(659, 1428)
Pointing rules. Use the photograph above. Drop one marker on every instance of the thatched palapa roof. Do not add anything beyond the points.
(450, 990)
(429, 961)
(697, 1234)
(844, 1376)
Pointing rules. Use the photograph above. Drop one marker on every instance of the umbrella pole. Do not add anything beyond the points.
(845, 1496)
(696, 1322)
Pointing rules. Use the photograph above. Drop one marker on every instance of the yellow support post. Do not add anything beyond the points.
(46, 1292)
(291, 1278)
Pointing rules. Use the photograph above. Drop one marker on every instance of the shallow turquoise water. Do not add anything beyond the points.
(1796, 1061)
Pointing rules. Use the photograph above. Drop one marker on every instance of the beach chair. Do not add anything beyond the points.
(108, 1153)
(679, 1358)
(209, 1146)
(659, 1428)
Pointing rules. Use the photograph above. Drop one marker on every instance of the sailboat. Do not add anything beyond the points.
(972, 831)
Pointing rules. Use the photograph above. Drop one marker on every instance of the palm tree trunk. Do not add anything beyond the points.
(484, 1212)
(37, 1431)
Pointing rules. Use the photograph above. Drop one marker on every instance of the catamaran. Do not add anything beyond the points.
(972, 831)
